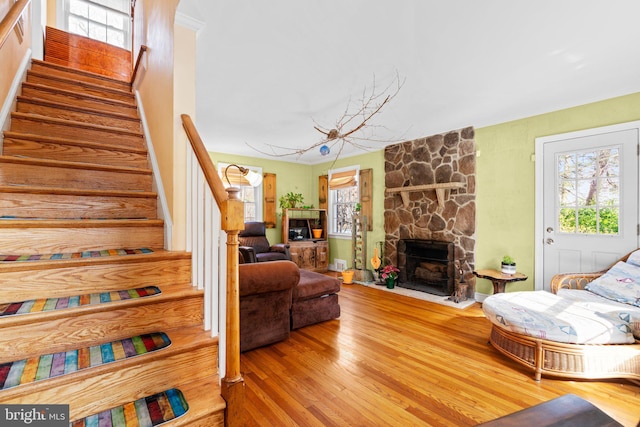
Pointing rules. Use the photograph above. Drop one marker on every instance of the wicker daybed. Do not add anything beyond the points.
(560, 359)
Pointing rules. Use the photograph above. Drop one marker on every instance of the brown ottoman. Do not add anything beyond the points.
(315, 299)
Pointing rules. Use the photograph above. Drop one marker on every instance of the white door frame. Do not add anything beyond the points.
(539, 232)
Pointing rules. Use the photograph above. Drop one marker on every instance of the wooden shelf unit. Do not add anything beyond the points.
(307, 252)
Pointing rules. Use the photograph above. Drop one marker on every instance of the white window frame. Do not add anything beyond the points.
(332, 200)
(63, 12)
(257, 190)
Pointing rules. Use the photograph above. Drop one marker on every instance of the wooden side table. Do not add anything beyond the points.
(499, 279)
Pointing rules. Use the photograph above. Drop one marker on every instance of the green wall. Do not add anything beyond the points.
(341, 248)
(505, 182)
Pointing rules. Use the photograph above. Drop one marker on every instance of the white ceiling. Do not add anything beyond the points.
(269, 71)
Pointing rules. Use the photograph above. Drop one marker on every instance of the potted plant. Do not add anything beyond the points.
(290, 200)
(508, 265)
(316, 228)
(390, 275)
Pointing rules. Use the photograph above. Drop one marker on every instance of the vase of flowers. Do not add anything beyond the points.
(390, 275)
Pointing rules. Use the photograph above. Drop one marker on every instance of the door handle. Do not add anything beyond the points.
(550, 242)
(549, 229)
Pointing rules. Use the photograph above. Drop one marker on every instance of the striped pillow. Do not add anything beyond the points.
(621, 283)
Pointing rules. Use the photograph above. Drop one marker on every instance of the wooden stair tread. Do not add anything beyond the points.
(81, 83)
(70, 107)
(70, 93)
(53, 365)
(57, 331)
(73, 165)
(169, 293)
(78, 223)
(20, 237)
(75, 142)
(157, 255)
(189, 337)
(76, 191)
(70, 70)
(29, 145)
(72, 123)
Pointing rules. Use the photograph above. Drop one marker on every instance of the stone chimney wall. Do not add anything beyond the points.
(443, 158)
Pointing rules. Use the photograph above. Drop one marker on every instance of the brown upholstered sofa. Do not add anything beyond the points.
(276, 297)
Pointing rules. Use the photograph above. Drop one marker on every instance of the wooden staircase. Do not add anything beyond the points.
(74, 176)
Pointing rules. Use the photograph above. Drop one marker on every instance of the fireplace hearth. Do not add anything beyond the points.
(427, 266)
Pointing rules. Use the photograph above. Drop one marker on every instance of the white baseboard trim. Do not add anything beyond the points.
(480, 297)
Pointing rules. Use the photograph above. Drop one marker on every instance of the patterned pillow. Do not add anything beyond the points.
(621, 283)
(634, 258)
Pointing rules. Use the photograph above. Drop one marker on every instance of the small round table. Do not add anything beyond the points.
(499, 279)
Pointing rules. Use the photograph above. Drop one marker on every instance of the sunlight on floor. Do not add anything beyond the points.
(419, 295)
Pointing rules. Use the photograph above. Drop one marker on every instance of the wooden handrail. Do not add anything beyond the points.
(11, 19)
(210, 174)
(232, 221)
(143, 49)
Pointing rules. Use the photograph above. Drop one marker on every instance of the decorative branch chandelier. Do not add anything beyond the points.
(335, 139)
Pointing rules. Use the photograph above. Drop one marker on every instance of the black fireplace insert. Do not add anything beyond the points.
(427, 266)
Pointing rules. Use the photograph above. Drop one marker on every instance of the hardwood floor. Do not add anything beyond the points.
(398, 361)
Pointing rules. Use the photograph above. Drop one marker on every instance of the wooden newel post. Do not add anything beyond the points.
(233, 383)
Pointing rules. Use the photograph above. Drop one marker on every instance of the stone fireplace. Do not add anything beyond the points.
(430, 204)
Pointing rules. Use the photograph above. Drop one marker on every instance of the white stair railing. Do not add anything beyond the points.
(203, 240)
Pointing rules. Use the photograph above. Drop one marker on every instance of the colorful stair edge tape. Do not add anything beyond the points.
(50, 304)
(146, 412)
(74, 255)
(13, 374)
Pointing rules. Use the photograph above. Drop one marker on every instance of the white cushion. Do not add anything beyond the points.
(624, 312)
(541, 314)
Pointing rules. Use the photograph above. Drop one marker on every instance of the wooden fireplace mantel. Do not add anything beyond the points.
(442, 191)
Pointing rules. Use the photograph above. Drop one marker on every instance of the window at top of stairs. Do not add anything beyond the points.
(108, 21)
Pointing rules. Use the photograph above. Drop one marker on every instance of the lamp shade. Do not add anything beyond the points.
(254, 178)
(240, 176)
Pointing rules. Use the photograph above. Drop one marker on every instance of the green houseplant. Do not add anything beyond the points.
(508, 265)
(290, 200)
